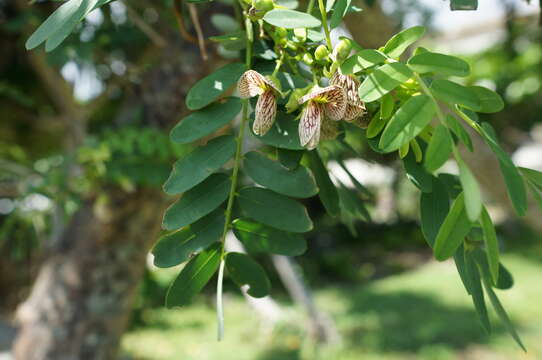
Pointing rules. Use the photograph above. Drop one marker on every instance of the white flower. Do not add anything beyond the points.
(354, 106)
(253, 84)
(329, 101)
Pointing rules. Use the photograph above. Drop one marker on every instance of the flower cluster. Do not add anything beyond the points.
(338, 101)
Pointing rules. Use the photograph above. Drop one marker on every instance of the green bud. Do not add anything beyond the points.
(292, 103)
(281, 32)
(308, 59)
(301, 34)
(291, 45)
(342, 49)
(263, 5)
(321, 53)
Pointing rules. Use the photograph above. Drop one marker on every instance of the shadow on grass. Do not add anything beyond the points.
(401, 322)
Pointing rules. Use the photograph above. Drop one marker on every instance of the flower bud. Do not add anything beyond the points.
(293, 100)
(321, 53)
(281, 32)
(301, 34)
(263, 5)
(291, 45)
(342, 49)
(308, 59)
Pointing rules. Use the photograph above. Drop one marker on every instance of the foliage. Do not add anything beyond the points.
(297, 75)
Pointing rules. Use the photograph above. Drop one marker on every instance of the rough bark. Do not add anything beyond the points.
(82, 298)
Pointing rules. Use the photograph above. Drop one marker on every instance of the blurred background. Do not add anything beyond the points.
(84, 149)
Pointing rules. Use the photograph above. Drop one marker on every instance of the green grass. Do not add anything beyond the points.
(419, 314)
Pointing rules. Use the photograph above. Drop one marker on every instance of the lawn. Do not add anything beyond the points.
(419, 314)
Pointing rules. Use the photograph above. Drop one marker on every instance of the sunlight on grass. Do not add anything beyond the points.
(420, 314)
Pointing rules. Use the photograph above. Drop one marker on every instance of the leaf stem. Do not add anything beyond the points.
(310, 7)
(233, 187)
(322, 7)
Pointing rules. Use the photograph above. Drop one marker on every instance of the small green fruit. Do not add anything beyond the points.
(301, 34)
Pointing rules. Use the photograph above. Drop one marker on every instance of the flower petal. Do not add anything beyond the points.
(331, 93)
(266, 110)
(251, 83)
(353, 111)
(309, 125)
(350, 86)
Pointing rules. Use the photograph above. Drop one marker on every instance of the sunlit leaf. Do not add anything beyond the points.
(411, 118)
(439, 149)
(400, 41)
(453, 231)
(383, 80)
(439, 63)
(290, 19)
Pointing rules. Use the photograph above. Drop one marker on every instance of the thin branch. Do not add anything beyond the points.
(156, 38)
(178, 10)
(201, 38)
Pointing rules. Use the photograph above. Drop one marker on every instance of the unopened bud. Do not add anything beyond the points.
(342, 49)
(293, 100)
(321, 53)
(281, 32)
(308, 59)
(301, 34)
(263, 5)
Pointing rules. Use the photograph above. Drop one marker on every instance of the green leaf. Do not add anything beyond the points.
(205, 121)
(275, 210)
(512, 178)
(289, 158)
(376, 125)
(476, 291)
(492, 246)
(245, 271)
(383, 80)
(259, 238)
(499, 309)
(290, 19)
(490, 101)
(453, 231)
(439, 63)
(506, 280)
(399, 42)
(233, 41)
(193, 277)
(60, 24)
(175, 248)
(214, 85)
(439, 149)
(328, 192)
(473, 197)
(362, 60)
(463, 5)
(264, 171)
(339, 11)
(387, 105)
(407, 122)
(434, 207)
(453, 93)
(533, 176)
(197, 202)
(416, 173)
(459, 131)
(196, 166)
(459, 259)
(284, 134)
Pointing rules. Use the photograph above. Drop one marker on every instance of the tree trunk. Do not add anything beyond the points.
(82, 298)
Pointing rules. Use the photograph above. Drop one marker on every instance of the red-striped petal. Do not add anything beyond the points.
(251, 84)
(353, 111)
(309, 125)
(266, 110)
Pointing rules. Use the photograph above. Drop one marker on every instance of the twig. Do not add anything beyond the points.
(156, 38)
(178, 10)
(201, 38)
